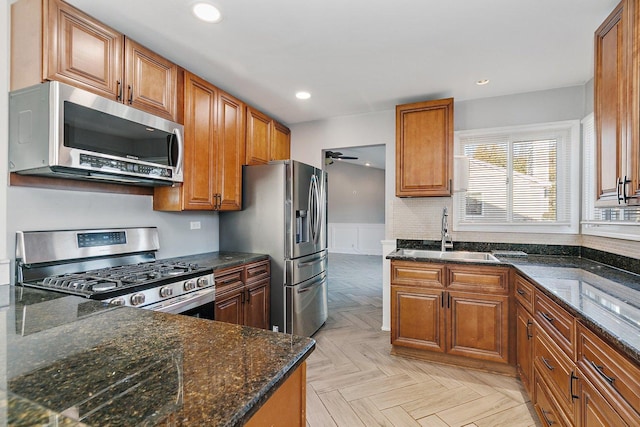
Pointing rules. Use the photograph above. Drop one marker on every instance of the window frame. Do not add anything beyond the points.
(572, 175)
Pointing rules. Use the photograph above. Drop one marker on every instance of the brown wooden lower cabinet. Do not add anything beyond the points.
(458, 311)
(242, 294)
(545, 404)
(417, 318)
(478, 326)
(525, 328)
(287, 406)
(559, 373)
(578, 378)
(595, 410)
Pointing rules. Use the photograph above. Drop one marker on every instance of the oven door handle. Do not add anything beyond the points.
(196, 299)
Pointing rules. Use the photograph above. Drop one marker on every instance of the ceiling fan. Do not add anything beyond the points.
(330, 155)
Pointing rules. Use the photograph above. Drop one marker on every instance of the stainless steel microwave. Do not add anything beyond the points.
(59, 130)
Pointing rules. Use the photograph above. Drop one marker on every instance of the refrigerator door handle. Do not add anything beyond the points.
(313, 208)
(308, 287)
(316, 209)
(313, 262)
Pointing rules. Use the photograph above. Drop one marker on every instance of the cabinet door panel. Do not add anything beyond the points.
(417, 319)
(151, 82)
(81, 51)
(424, 148)
(595, 411)
(229, 307)
(230, 149)
(258, 137)
(524, 346)
(479, 279)
(478, 326)
(609, 108)
(281, 142)
(199, 134)
(546, 406)
(408, 273)
(257, 306)
(558, 371)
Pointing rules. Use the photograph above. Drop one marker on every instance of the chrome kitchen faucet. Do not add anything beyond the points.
(447, 240)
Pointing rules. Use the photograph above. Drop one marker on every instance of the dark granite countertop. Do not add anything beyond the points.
(604, 297)
(221, 260)
(82, 362)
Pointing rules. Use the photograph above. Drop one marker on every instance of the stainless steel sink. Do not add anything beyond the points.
(453, 255)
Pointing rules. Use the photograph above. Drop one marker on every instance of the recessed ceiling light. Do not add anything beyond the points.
(303, 95)
(207, 12)
(482, 82)
(367, 164)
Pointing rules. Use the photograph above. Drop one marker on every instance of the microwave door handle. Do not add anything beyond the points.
(178, 135)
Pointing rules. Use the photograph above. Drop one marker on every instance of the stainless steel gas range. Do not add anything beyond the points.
(116, 266)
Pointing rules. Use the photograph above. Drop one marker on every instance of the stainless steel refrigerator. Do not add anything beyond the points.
(284, 214)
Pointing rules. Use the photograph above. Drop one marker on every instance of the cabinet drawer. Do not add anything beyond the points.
(546, 406)
(409, 273)
(228, 279)
(475, 278)
(524, 292)
(556, 322)
(558, 371)
(258, 271)
(610, 372)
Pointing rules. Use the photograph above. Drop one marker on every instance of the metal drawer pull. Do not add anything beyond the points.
(315, 261)
(571, 378)
(546, 419)
(547, 317)
(547, 364)
(529, 334)
(600, 370)
(520, 291)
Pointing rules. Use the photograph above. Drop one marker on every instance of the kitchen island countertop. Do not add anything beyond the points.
(81, 362)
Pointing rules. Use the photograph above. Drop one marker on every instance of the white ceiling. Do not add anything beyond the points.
(368, 155)
(358, 56)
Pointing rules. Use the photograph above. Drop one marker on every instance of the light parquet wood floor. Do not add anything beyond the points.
(352, 380)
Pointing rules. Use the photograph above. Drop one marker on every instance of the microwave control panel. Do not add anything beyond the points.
(113, 165)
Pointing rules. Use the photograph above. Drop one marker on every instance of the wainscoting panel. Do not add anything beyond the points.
(364, 239)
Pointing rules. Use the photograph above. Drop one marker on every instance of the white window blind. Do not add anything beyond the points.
(520, 178)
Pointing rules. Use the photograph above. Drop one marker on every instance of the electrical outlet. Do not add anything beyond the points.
(276, 328)
(195, 225)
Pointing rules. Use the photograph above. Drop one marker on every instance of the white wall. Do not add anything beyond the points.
(356, 193)
(419, 218)
(44, 209)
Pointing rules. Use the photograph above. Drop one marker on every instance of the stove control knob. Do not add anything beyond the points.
(137, 299)
(166, 291)
(117, 301)
(202, 282)
(189, 285)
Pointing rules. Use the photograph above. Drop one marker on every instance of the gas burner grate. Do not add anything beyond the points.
(80, 283)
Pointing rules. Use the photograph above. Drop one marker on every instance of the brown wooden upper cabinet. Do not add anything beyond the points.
(424, 148)
(51, 40)
(266, 139)
(616, 93)
(214, 151)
